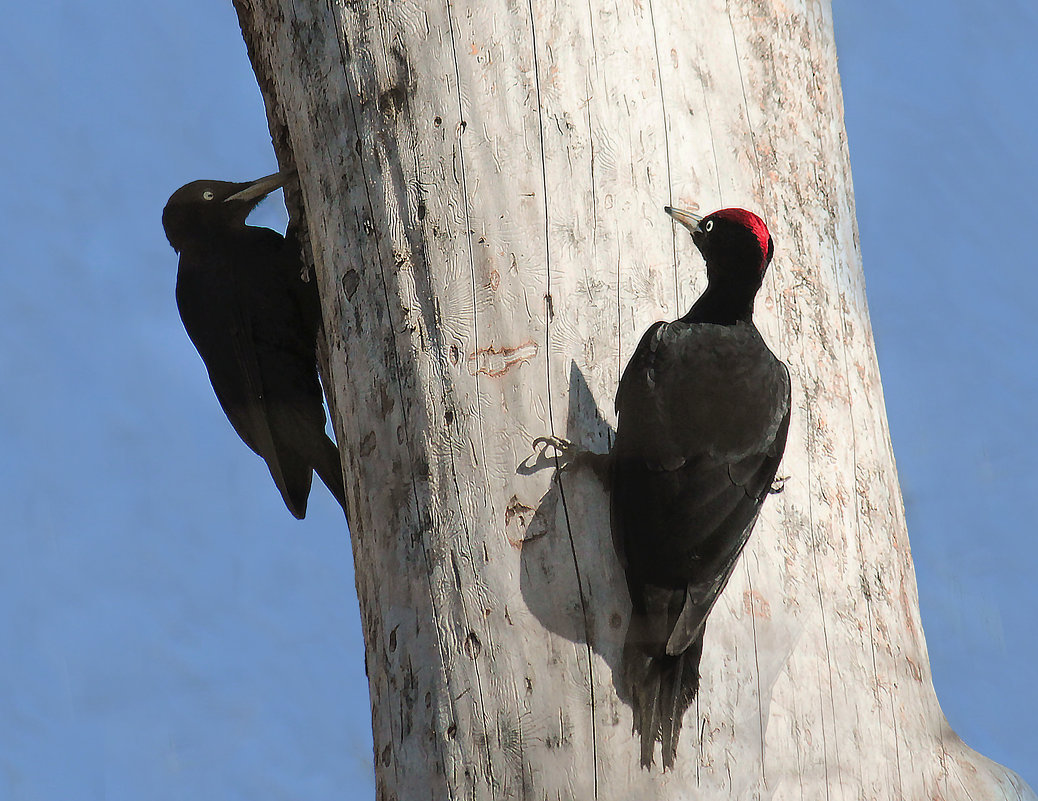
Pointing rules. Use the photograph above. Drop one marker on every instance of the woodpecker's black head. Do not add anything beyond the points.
(737, 248)
(735, 243)
(198, 209)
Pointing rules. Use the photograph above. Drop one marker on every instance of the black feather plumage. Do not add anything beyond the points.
(703, 416)
(255, 322)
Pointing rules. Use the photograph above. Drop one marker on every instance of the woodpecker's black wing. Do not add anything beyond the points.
(254, 323)
(703, 416)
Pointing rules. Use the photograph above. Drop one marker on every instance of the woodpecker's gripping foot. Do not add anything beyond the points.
(569, 457)
(778, 485)
(566, 453)
(566, 456)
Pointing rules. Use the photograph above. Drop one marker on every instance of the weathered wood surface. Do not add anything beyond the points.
(483, 185)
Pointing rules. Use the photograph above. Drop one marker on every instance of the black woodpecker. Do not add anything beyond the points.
(255, 322)
(703, 410)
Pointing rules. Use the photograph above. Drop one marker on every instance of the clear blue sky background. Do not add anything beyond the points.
(170, 632)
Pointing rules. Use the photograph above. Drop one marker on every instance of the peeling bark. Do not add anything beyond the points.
(482, 185)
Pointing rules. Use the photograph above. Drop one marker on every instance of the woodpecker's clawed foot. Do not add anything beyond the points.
(778, 485)
(565, 451)
(566, 456)
(569, 458)
(540, 459)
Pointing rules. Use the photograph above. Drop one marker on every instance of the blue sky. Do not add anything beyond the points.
(941, 123)
(170, 632)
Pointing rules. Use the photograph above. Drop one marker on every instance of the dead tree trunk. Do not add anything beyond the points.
(483, 185)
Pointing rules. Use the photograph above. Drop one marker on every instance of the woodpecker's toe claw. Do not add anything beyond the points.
(563, 447)
(778, 485)
(566, 456)
(565, 452)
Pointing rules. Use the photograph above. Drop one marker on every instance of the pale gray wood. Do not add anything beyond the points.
(483, 185)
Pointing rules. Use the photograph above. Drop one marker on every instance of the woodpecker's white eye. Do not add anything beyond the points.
(709, 226)
(207, 195)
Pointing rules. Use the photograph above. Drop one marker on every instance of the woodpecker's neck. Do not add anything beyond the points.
(723, 304)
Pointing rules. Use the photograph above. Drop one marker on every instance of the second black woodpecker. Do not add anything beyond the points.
(255, 322)
(703, 411)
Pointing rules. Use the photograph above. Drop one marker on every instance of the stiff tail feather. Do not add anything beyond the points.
(329, 468)
(661, 688)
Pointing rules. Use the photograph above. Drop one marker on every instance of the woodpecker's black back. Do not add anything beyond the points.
(703, 415)
(254, 321)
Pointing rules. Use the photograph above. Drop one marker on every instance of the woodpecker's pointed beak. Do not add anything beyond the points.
(261, 188)
(686, 218)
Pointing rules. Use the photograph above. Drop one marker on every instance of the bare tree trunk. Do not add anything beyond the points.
(483, 185)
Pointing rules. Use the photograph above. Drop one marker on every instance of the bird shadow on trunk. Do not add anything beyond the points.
(571, 576)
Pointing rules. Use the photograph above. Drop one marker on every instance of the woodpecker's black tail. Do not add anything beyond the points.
(660, 689)
(329, 468)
